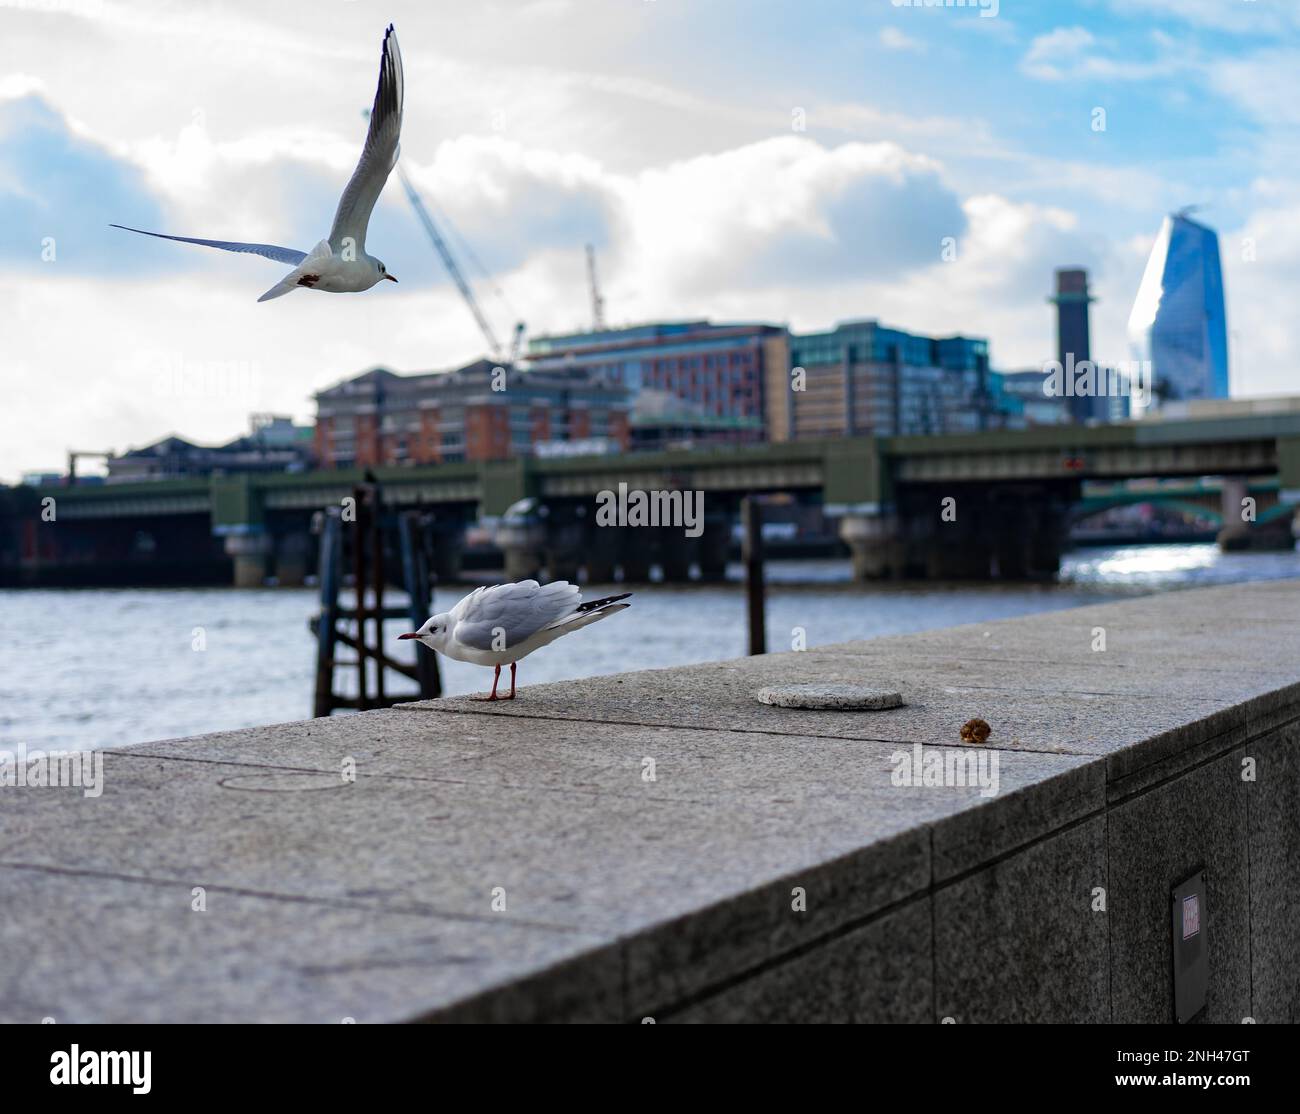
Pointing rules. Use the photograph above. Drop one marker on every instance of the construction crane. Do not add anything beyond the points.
(449, 261)
(597, 302)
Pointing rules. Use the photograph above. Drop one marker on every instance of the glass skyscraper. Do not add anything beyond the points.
(1178, 320)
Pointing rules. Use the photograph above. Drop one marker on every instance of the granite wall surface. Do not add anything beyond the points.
(660, 845)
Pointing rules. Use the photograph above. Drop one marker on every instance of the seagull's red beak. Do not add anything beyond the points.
(390, 278)
(413, 635)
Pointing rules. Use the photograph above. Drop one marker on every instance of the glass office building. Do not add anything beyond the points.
(863, 379)
(1178, 320)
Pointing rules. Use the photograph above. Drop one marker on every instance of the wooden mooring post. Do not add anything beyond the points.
(359, 538)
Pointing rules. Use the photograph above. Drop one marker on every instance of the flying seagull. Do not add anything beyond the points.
(506, 622)
(340, 264)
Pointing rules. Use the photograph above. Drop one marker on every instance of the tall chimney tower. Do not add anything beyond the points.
(1072, 333)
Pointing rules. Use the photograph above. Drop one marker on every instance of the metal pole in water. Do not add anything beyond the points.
(377, 577)
(751, 552)
(415, 575)
(359, 582)
(330, 572)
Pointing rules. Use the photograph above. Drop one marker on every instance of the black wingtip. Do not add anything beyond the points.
(592, 605)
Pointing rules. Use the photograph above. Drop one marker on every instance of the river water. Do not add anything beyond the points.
(87, 668)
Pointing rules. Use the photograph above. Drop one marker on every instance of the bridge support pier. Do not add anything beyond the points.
(523, 546)
(675, 552)
(1047, 540)
(292, 559)
(634, 554)
(875, 545)
(600, 554)
(564, 550)
(958, 559)
(714, 544)
(1235, 532)
(970, 532)
(448, 550)
(1242, 533)
(250, 553)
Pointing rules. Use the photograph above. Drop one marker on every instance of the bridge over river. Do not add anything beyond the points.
(996, 503)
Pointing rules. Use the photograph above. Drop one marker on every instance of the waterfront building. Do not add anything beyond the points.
(1178, 320)
(720, 373)
(1023, 399)
(46, 479)
(1020, 399)
(662, 420)
(273, 444)
(482, 411)
(863, 379)
(700, 383)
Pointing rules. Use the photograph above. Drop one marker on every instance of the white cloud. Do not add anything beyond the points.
(891, 38)
(1266, 83)
(15, 85)
(1246, 17)
(1072, 53)
(788, 209)
(1261, 270)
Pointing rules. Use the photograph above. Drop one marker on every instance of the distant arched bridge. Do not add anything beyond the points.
(1200, 498)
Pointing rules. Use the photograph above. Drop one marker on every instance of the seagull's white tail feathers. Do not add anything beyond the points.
(590, 613)
(286, 285)
(290, 281)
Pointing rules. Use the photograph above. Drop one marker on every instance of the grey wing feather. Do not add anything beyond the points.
(378, 156)
(281, 255)
(503, 616)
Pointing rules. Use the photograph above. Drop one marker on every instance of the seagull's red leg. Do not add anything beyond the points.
(496, 677)
(512, 682)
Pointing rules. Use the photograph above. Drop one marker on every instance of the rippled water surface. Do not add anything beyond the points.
(103, 667)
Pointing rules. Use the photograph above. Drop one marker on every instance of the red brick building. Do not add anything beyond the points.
(719, 373)
(478, 412)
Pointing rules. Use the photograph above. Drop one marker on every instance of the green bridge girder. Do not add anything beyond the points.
(852, 475)
(1183, 497)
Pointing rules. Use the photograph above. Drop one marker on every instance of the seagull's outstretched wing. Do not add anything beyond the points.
(270, 251)
(505, 615)
(379, 155)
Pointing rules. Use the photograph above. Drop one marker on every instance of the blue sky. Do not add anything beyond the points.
(797, 162)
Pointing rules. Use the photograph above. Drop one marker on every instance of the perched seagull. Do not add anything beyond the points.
(340, 264)
(501, 624)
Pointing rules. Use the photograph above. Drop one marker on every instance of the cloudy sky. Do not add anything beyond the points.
(796, 161)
